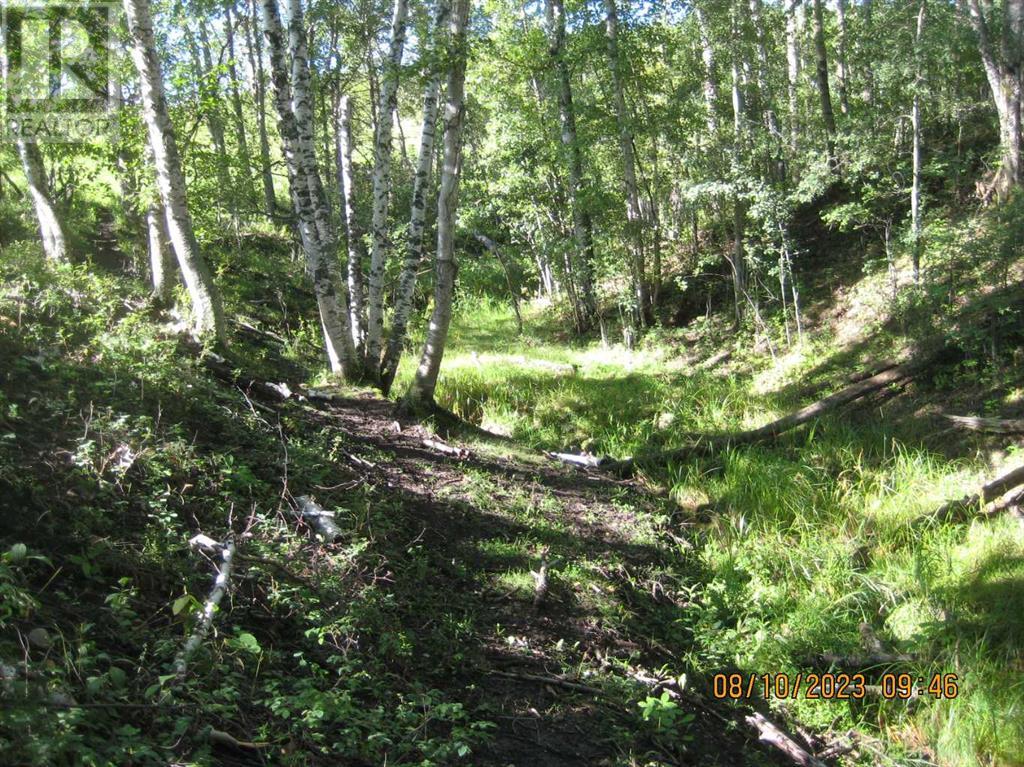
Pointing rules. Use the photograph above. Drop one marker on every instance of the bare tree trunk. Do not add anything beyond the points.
(236, 101)
(821, 64)
(421, 391)
(739, 265)
(915, 193)
(380, 242)
(206, 304)
(418, 215)
(634, 216)
(209, 91)
(51, 231)
(254, 45)
(347, 198)
(710, 71)
(793, 62)
(869, 70)
(160, 264)
(582, 225)
(842, 71)
(1003, 71)
(50, 228)
(308, 198)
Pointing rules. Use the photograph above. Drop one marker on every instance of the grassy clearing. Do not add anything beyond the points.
(806, 545)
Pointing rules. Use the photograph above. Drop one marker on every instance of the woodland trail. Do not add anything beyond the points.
(478, 516)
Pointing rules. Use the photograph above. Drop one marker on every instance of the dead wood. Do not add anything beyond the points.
(223, 370)
(220, 587)
(554, 681)
(540, 580)
(318, 518)
(987, 425)
(775, 736)
(708, 443)
(445, 449)
(1001, 492)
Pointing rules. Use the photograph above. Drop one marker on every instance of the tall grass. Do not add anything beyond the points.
(806, 544)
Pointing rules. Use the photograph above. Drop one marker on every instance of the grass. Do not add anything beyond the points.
(803, 544)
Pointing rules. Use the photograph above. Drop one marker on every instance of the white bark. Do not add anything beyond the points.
(418, 216)
(50, 228)
(842, 70)
(380, 244)
(320, 262)
(582, 225)
(633, 213)
(220, 588)
(160, 260)
(254, 46)
(241, 135)
(347, 197)
(915, 115)
(793, 67)
(206, 305)
(1003, 71)
(710, 71)
(421, 391)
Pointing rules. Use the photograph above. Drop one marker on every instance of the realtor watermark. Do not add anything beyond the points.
(58, 70)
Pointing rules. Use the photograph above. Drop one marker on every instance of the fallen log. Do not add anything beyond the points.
(773, 735)
(321, 520)
(1000, 490)
(222, 369)
(988, 425)
(709, 443)
(445, 449)
(220, 587)
(582, 459)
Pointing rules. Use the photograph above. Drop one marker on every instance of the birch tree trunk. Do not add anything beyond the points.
(380, 244)
(634, 215)
(206, 304)
(161, 265)
(241, 136)
(353, 236)
(793, 66)
(821, 79)
(50, 228)
(210, 96)
(842, 70)
(582, 225)
(254, 46)
(421, 391)
(915, 193)
(1003, 72)
(418, 216)
(301, 163)
(739, 257)
(868, 94)
(710, 71)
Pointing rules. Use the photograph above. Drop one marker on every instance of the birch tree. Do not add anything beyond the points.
(633, 212)
(382, 186)
(254, 47)
(414, 250)
(308, 200)
(51, 230)
(1002, 59)
(208, 320)
(582, 225)
(421, 390)
(821, 81)
(347, 200)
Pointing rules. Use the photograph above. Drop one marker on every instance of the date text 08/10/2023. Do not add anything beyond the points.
(830, 686)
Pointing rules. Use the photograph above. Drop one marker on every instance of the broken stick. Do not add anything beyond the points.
(220, 587)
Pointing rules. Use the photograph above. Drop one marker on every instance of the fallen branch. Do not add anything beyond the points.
(445, 449)
(988, 425)
(1004, 485)
(582, 459)
(221, 369)
(856, 662)
(321, 520)
(220, 587)
(773, 735)
(540, 580)
(555, 681)
(707, 443)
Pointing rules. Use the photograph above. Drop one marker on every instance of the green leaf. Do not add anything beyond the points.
(180, 603)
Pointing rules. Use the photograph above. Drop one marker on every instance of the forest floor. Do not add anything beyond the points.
(416, 637)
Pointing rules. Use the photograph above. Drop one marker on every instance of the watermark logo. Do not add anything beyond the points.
(59, 84)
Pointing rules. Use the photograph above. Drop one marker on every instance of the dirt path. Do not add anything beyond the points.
(485, 515)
